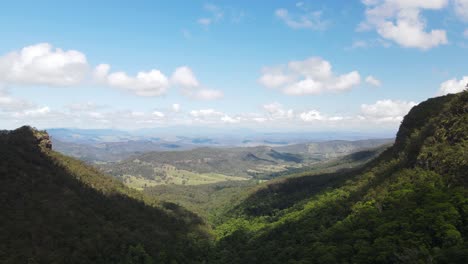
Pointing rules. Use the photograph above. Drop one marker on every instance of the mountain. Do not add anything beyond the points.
(211, 201)
(108, 145)
(113, 151)
(334, 148)
(55, 209)
(409, 205)
(210, 165)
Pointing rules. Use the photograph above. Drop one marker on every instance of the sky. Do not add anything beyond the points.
(265, 65)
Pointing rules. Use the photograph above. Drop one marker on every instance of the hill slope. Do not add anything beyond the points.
(211, 165)
(410, 205)
(55, 209)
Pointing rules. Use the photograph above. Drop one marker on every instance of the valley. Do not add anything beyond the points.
(407, 199)
(207, 165)
(234, 132)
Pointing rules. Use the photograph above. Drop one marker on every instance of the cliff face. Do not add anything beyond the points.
(43, 139)
(27, 137)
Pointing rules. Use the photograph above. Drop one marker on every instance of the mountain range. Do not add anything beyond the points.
(407, 204)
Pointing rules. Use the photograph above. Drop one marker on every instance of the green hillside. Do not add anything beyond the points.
(55, 209)
(407, 204)
(214, 165)
(410, 205)
(211, 201)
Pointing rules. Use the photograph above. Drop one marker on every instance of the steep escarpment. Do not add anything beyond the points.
(55, 209)
(409, 205)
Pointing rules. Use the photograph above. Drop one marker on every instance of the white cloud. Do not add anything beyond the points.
(184, 77)
(312, 115)
(86, 106)
(230, 120)
(176, 108)
(274, 77)
(208, 94)
(401, 22)
(151, 83)
(305, 20)
(453, 86)
(37, 112)
(101, 72)
(386, 110)
(158, 114)
(373, 81)
(276, 111)
(205, 113)
(310, 76)
(41, 64)
(461, 9)
(9, 103)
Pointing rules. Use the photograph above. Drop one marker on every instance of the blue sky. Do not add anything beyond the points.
(276, 65)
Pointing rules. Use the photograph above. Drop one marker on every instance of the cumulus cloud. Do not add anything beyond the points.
(276, 111)
(373, 81)
(453, 86)
(304, 20)
(184, 76)
(386, 110)
(155, 83)
(230, 120)
(150, 83)
(185, 79)
(41, 64)
(311, 76)
(314, 115)
(158, 114)
(401, 22)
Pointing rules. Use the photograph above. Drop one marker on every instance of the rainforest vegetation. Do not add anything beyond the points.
(407, 204)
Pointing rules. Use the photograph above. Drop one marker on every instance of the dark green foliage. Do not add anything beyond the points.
(216, 201)
(55, 209)
(410, 205)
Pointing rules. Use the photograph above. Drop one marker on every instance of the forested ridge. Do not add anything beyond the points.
(55, 209)
(408, 205)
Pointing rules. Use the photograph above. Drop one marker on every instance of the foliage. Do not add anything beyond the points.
(57, 210)
(410, 205)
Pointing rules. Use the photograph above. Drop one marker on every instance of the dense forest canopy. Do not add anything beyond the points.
(56, 209)
(407, 205)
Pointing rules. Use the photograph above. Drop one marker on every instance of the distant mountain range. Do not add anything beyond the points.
(114, 145)
(208, 165)
(407, 205)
